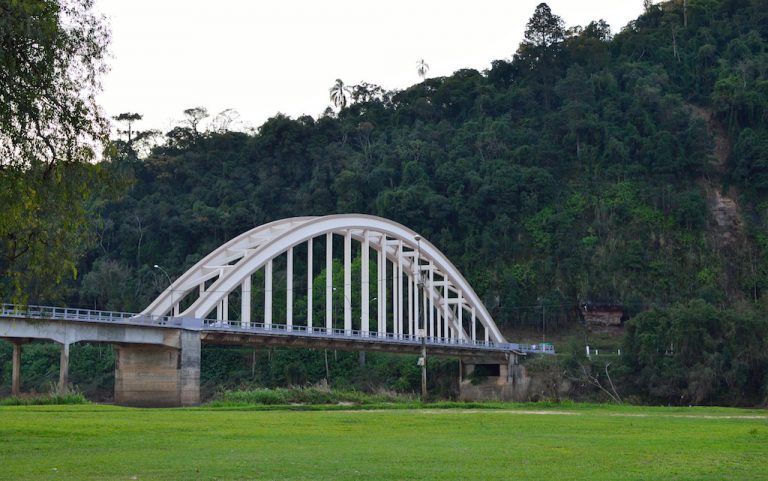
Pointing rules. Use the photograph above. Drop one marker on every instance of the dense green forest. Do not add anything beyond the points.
(586, 168)
(627, 168)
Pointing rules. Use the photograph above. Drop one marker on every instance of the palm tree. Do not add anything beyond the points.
(422, 68)
(339, 94)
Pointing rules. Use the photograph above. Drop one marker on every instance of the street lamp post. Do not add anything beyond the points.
(420, 283)
(336, 307)
(543, 319)
(170, 284)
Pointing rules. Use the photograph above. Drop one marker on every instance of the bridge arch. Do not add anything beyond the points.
(424, 287)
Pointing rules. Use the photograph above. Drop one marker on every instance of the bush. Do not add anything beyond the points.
(304, 395)
(45, 399)
(695, 353)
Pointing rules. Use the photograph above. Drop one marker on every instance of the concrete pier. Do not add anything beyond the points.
(147, 376)
(64, 369)
(16, 371)
(189, 375)
(159, 376)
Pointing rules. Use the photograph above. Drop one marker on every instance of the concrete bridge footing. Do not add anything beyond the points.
(159, 376)
(492, 379)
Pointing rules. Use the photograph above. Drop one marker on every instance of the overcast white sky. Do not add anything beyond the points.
(261, 57)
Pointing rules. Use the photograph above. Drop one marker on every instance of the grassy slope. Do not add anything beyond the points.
(578, 442)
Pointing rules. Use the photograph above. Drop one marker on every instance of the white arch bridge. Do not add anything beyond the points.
(353, 281)
(389, 283)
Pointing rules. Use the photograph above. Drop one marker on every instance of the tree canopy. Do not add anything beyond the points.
(51, 57)
(52, 54)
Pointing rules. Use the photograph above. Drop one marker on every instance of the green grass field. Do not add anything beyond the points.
(575, 442)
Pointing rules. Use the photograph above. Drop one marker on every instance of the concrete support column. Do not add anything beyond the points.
(289, 289)
(400, 288)
(504, 373)
(268, 294)
(348, 282)
(245, 302)
(410, 305)
(365, 281)
(423, 318)
(382, 301)
(460, 308)
(416, 306)
(309, 285)
(394, 295)
(64, 369)
(431, 302)
(329, 282)
(189, 369)
(16, 375)
(420, 314)
(446, 331)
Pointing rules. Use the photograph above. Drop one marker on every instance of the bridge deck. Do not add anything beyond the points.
(338, 339)
(232, 332)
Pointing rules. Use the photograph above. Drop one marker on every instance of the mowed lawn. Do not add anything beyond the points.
(575, 443)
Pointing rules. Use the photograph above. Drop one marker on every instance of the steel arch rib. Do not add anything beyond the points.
(233, 249)
(292, 232)
(255, 247)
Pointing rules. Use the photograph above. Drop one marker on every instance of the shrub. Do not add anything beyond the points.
(304, 395)
(45, 399)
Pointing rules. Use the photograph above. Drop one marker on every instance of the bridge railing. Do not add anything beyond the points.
(92, 315)
(86, 315)
(371, 336)
(65, 313)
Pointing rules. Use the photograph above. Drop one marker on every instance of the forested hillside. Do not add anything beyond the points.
(590, 167)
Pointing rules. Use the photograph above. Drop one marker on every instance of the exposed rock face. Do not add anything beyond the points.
(726, 213)
(726, 221)
(723, 206)
(604, 316)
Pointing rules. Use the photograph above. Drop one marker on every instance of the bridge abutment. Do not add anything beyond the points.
(492, 379)
(159, 376)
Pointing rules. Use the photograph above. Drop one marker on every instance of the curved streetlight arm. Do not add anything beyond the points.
(170, 285)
